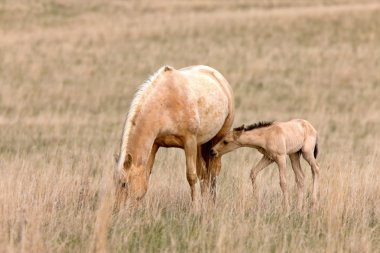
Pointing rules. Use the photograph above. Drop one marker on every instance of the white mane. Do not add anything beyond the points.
(143, 88)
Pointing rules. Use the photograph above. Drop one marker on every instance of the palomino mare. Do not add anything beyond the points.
(275, 141)
(191, 108)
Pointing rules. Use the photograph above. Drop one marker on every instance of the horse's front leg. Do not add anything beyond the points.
(190, 147)
(151, 158)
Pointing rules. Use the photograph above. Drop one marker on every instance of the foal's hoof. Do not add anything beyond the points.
(195, 206)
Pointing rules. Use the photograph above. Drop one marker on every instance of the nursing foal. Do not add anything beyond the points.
(275, 140)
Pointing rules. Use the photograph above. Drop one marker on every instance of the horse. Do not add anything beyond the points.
(191, 108)
(275, 140)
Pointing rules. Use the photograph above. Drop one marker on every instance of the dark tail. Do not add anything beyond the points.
(316, 149)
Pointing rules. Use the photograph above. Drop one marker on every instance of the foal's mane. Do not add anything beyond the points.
(256, 125)
(136, 102)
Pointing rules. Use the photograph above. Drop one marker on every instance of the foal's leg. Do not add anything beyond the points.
(264, 162)
(299, 175)
(191, 160)
(281, 162)
(308, 154)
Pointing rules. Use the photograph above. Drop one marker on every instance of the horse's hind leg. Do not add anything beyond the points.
(202, 170)
(299, 175)
(209, 168)
(308, 154)
(191, 160)
(214, 168)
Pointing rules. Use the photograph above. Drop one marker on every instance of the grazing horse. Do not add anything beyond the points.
(275, 140)
(190, 108)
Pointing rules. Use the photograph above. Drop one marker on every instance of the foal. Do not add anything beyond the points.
(275, 140)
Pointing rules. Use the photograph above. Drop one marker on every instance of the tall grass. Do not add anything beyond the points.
(68, 71)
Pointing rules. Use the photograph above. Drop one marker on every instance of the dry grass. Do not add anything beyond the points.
(68, 70)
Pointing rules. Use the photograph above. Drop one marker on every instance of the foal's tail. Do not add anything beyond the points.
(316, 148)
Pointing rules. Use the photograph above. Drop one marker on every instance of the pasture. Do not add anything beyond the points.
(68, 72)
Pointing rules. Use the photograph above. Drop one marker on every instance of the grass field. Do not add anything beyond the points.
(68, 71)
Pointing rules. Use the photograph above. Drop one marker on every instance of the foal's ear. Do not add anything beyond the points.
(238, 131)
(128, 161)
(116, 157)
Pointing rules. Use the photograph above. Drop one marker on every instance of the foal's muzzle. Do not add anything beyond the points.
(213, 152)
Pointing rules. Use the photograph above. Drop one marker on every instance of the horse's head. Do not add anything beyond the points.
(229, 142)
(130, 179)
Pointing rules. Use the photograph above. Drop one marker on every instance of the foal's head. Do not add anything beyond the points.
(229, 142)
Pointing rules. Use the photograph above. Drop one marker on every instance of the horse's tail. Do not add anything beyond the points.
(316, 149)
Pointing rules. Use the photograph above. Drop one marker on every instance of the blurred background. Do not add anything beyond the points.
(68, 72)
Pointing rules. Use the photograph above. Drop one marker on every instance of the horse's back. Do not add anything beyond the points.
(209, 97)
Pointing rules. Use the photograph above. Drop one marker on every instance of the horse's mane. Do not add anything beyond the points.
(136, 101)
(256, 125)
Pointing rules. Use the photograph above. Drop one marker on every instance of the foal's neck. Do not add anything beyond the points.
(252, 138)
